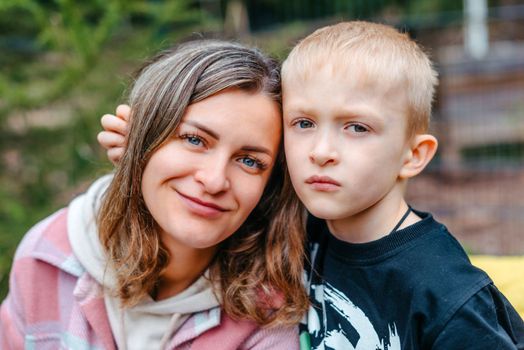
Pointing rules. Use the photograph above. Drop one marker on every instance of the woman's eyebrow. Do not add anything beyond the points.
(247, 148)
(204, 129)
(257, 149)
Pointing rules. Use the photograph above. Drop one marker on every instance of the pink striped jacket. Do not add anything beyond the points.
(53, 303)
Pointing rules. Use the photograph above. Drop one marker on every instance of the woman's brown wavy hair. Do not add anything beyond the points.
(264, 258)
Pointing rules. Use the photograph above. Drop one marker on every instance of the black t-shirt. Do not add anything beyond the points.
(412, 289)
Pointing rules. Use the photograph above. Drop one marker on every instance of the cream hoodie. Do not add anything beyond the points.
(150, 324)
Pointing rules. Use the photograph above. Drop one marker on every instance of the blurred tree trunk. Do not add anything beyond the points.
(236, 22)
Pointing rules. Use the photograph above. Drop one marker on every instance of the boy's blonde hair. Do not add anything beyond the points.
(380, 54)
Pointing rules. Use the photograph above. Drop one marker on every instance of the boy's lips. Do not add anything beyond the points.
(322, 183)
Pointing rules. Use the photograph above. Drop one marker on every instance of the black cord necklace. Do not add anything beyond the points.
(401, 221)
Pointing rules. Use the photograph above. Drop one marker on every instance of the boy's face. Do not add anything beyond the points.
(345, 141)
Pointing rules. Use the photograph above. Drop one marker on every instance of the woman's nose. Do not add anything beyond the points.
(212, 175)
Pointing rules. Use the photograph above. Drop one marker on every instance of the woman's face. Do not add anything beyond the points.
(203, 182)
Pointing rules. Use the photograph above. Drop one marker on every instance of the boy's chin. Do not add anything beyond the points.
(326, 213)
(326, 208)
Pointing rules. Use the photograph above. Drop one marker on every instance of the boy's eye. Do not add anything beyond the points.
(304, 124)
(358, 128)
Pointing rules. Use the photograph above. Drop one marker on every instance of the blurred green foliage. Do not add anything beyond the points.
(63, 64)
(73, 35)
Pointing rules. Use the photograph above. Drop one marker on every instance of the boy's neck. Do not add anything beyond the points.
(373, 223)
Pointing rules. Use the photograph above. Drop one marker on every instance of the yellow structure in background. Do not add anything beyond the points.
(508, 274)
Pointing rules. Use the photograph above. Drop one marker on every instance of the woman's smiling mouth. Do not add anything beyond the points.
(201, 208)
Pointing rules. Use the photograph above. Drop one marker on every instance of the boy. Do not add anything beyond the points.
(357, 100)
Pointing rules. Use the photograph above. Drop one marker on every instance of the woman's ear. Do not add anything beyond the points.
(421, 150)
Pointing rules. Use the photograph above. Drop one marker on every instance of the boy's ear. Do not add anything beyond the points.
(422, 149)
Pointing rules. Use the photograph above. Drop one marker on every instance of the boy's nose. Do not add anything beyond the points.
(213, 176)
(324, 151)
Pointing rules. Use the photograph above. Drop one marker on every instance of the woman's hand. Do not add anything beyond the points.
(114, 136)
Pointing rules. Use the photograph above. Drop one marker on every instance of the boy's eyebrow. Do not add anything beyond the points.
(298, 108)
(204, 129)
(359, 112)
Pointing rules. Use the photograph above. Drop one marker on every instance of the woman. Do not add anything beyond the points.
(195, 243)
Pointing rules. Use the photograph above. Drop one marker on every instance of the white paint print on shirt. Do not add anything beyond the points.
(332, 300)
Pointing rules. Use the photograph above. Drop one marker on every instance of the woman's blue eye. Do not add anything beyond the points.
(249, 162)
(304, 124)
(194, 140)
